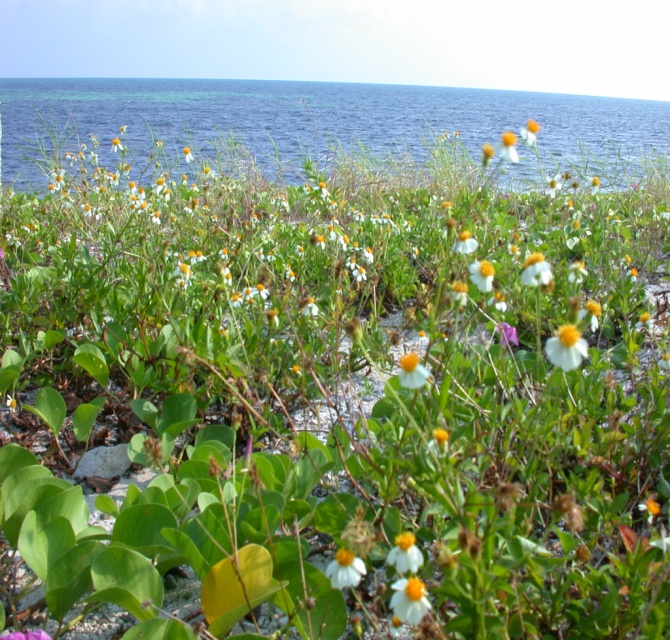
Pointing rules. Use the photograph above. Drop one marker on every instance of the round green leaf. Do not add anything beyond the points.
(69, 578)
(160, 630)
(50, 407)
(92, 360)
(140, 525)
(126, 578)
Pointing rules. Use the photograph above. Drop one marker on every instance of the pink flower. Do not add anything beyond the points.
(29, 635)
(508, 335)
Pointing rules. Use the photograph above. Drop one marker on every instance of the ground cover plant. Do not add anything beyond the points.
(509, 482)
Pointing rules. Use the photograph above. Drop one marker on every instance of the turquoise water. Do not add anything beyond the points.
(279, 121)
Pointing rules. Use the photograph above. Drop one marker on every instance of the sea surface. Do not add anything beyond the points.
(281, 123)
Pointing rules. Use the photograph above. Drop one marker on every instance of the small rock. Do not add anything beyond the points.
(104, 462)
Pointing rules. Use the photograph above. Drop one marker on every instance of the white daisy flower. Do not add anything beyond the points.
(405, 556)
(308, 307)
(529, 133)
(592, 310)
(508, 147)
(188, 156)
(346, 570)
(481, 275)
(537, 271)
(594, 183)
(409, 602)
(498, 301)
(577, 272)
(567, 348)
(652, 508)
(459, 293)
(439, 443)
(413, 375)
(359, 273)
(465, 243)
(554, 185)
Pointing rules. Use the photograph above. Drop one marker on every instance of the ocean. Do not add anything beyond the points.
(280, 123)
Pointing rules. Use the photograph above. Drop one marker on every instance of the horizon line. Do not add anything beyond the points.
(355, 82)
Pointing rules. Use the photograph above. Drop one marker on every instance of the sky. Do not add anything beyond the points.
(572, 46)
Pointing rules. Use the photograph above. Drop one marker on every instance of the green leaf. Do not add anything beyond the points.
(2, 617)
(138, 454)
(52, 338)
(107, 505)
(8, 376)
(69, 578)
(161, 630)
(219, 432)
(334, 512)
(41, 547)
(145, 411)
(13, 457)
(327, 618)
(126, 578)
(69, 504)
(84, 418)
(92, 360)
(140, 525)
(50, 407)
(39, 486)
(179, 413)
(11, 358)
(230, 591)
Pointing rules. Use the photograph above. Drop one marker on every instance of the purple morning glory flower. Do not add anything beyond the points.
(508, 335)
(29, 635)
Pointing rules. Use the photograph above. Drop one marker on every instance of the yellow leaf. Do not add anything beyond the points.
(237, 582)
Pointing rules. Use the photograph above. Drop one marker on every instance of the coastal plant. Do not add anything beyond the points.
(508, 478)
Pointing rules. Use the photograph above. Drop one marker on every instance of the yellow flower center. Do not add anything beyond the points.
(409, 362)
(634, 272)
(488, 151)
(116, 142)
(486, 269)
(441, 436)
(405, 540)
(446, 204)
(569, 335)
(552, 184)
(595, 182)
(666, 357)
(296, 369)
(533, 258)
(576, 225)
(184, 268)
(344, 557)
(533, 126)
(319, 238)
(459, 287)
(653, 507)
(464, 235)
(508, 139)
(594, 308)
(160, 181)
(396, 622)
(415, 589)
(187, 150)
(645, 317)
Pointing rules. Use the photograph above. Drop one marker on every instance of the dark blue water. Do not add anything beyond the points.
(281, 122)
